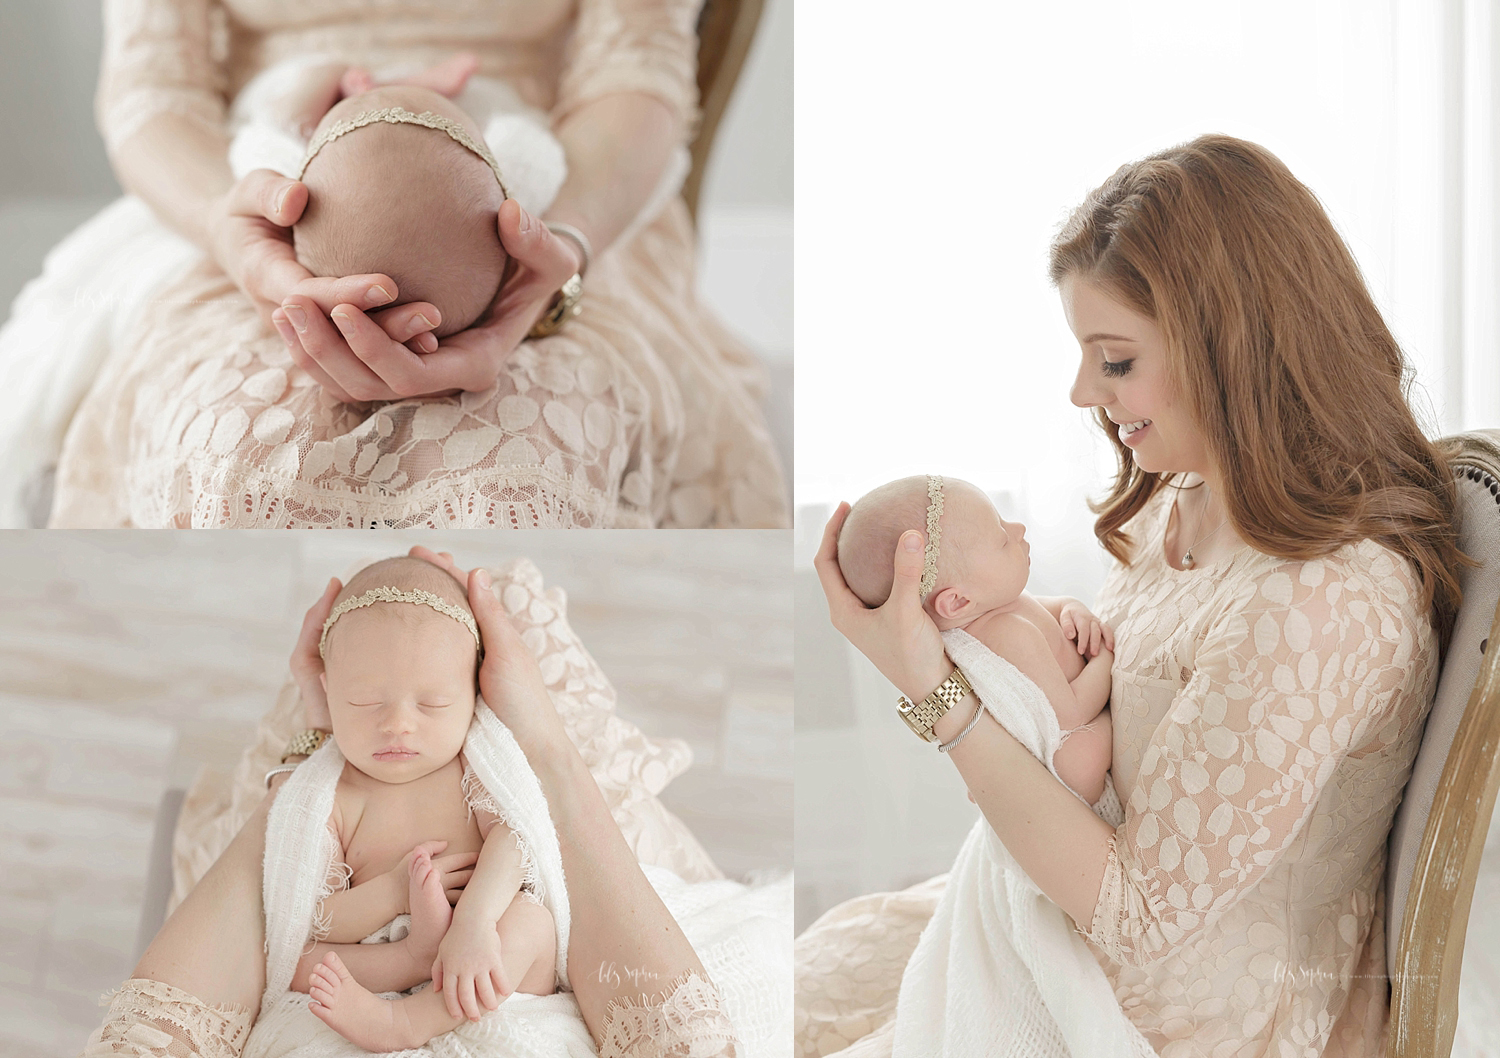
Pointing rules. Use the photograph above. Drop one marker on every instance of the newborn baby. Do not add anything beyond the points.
(982, 569)
(413, 195)
(401, 683)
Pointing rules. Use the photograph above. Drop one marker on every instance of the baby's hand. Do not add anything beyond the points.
(455, 870)
(468, 970)
(1084, 629)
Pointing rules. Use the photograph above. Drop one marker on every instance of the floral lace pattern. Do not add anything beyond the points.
(684, 1020)
(1266, 715)
(641, 412)
(148, 1019)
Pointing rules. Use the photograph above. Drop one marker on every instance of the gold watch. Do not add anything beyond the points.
(303, 743)
(920, 717)
(566, 304)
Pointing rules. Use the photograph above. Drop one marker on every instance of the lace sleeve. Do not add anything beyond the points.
(648, 46)
(1302, 674)
(160, 56)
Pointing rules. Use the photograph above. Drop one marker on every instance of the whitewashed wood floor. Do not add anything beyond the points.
(130, 660)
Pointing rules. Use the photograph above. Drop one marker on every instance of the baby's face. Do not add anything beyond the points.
(992, 560)
(400, 682)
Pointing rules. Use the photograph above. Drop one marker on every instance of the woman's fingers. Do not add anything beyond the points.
(906, 590)
(441, 559)
(405, 322)
(549, 259)
(370, 291)
(307, 664)
(300, 357)
(404, 373)
(841, 601)
(266, 193)
(328, 348)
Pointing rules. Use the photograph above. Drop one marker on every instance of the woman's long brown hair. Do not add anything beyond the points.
(1275, 344)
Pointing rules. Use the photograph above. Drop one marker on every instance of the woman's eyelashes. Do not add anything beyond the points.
(1115, 368)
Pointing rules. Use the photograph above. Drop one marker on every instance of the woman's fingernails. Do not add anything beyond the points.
(342, 322)
(483, 577)
(378, 295)
(297, 316)
(281, 199)
(526, 221)
(912, 541)
(278, 320)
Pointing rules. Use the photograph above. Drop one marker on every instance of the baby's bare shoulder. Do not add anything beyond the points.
(1019, 641)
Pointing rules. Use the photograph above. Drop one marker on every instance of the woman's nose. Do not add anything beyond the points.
(1086, 391)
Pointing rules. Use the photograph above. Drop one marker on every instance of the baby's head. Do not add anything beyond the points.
(407, 201)
(983, 560)
(401, 676)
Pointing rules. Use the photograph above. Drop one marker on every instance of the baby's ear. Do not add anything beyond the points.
(950, 603)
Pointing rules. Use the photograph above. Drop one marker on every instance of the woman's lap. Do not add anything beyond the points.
(639, 413)
(849, 967)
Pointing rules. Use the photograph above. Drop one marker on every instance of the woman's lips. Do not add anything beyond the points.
(1132, 437)
(396, 754)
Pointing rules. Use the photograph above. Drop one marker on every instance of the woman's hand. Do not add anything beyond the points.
(355, 358)
(509, 680)
(899, 637)
(1081, 627)
(307, 663)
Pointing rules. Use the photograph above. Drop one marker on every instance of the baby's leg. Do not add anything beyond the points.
(1084, 757)
(528, 946)
(363, 1018)
(403, 964)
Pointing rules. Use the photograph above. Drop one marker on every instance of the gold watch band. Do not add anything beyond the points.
(921, 716)
(304, 743)
(566, 304)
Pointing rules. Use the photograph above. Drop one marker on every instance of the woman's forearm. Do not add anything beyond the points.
(1056, 838)
(617, 149)
(178, 168)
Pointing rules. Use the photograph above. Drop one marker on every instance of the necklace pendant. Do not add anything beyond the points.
(1187, 559)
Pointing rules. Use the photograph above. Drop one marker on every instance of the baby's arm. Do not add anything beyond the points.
(1078, 624)
(1021, 643)
(468, 969)
(357, 912)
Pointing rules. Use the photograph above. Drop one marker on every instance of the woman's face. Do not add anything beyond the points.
(1124, 371)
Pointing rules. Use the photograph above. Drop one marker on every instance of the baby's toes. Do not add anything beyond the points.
(335, 964)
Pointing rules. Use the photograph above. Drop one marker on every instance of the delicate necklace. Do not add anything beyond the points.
(1187, 556)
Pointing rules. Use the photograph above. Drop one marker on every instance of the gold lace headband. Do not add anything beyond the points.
(387, 594)
(934, 533)
(401, 116)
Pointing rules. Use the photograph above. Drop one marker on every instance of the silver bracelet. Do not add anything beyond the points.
(568, 231)
(278, 770)
(946, 746)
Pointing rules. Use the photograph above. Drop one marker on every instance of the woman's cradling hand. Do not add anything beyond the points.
(353, 356)
(307, 663)
(898, 637)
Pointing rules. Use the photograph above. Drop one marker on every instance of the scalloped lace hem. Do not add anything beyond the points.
(149, 1019)
(688, 1022)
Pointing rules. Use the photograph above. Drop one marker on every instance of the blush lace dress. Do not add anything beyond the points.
(641, 412)
(1266, 716)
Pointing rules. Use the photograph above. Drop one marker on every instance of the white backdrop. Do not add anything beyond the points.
(935, 159)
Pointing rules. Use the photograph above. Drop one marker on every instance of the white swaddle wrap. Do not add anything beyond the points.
(999, 970)
(295, 881)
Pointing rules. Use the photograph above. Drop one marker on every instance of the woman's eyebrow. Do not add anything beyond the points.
(1090, 339)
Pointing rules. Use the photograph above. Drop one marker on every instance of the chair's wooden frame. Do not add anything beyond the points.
(725, 30)
(1424, 983)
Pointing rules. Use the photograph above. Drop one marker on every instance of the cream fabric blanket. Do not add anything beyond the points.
(999, 970)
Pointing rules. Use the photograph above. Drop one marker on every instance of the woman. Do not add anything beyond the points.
(198, 986)
(235, 401)
(1286, 575)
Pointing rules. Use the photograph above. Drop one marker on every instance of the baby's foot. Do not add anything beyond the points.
(353, 1011)
(430, 911)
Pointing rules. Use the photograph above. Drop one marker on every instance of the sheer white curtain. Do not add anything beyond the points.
(936, 158)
